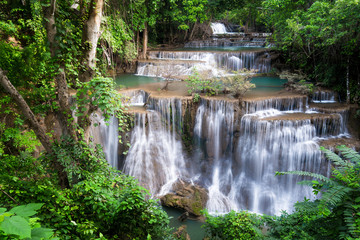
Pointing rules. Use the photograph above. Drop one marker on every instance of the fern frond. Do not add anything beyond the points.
(351, 226)
(306, 174)
(335, 195)
(349, 154)
(333, 157)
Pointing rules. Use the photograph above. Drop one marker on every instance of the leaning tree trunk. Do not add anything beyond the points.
(35, 126)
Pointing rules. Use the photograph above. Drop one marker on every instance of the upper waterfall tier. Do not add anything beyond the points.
(180, 63)
(218, 28)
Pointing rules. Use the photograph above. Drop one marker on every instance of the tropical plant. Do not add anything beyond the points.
(297, 82)
(198, 83)
(20, 223)
(233, 225)
(339, 202)
(239, 83)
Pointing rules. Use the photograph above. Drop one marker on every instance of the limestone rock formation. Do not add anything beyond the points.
(186, 196)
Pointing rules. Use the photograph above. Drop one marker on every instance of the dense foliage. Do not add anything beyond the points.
(321, 38)
(81, 196)
(100, 203)
(241, 226)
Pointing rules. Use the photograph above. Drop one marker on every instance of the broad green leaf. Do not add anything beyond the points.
(26, 210)
(41, 233)
(16, 225)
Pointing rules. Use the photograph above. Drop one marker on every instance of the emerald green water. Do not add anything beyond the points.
(221, 49)
(193, 228)
(267, 84)
(132, 80)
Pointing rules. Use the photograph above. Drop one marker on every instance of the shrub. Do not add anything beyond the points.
(234, 225)
(239, 83)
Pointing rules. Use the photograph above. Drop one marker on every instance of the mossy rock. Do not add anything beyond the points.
(186, 196)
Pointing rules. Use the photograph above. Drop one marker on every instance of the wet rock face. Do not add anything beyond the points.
(186, 196)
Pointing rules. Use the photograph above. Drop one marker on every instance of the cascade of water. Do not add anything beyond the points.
(218, 28)
(214, 129)
(323, 97)
(110, 136)
(135, 97)
(155, 157)
(235, 159)
(281, 104)
(265, 147)
(183, 63)
(221, 42)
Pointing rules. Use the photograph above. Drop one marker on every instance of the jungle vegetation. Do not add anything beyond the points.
(58, 185)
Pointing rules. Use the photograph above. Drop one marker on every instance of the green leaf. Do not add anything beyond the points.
(26, 210)
(41, 233)
(16, 225)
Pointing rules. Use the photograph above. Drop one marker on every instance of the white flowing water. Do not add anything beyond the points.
(155, 157)
(218, 28)
(110, 138)
(323, 97)
(236, 150)
(174, 63)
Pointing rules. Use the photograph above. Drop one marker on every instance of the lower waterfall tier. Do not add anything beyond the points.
(231, 148)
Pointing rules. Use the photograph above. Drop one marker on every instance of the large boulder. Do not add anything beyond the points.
(186, 196)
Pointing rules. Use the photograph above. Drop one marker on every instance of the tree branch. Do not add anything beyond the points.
(35, 125)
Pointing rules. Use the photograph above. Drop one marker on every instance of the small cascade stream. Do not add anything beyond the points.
(218, 28)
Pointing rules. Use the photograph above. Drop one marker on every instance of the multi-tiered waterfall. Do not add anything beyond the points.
(237, 148)
(231, 148)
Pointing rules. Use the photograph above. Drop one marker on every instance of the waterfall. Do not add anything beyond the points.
(218, 28)
(155, 157)
(281, 104)
(323, 97)
(183, 63)
(265, 147)
(238, 147)
(214, 127)
(110, 135)
(273, 135)
(135, 97)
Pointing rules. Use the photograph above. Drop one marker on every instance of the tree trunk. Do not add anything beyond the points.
(34, 125)
(348, 81)
(137, 42)
(25, 109)
(90, 38)
(192, 32)
(64, 112)
(145, 41)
